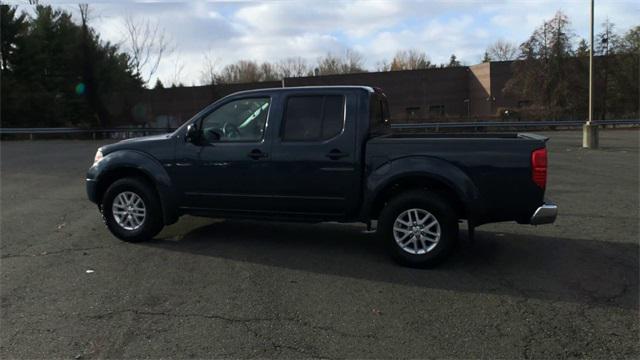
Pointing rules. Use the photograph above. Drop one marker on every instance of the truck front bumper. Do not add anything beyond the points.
(91, 190)
(545, 214)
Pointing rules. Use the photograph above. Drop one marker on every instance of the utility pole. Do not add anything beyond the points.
(589, 130)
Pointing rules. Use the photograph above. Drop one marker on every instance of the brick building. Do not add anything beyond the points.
(473, 92)
(455, 93)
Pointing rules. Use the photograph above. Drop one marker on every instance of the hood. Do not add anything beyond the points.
(138, 143)
(145, 138)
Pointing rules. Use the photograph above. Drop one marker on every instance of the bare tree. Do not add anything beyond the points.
(209, 72)
(502, 50)
(329, 64)
(178, 69)
(84, 13)
(146, 44)
(268, 72)
(406, 60)
(293, 67)
(383, 65)
(241, 72)
(351, 62)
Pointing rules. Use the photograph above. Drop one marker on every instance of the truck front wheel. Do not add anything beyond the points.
(131, 210)
(419, 227)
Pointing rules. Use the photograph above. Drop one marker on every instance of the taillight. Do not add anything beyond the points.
(539, 167)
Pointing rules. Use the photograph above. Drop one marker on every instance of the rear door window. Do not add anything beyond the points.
(313, 118)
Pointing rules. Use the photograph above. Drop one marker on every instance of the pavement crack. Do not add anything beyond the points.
(248, 324)
(338, 332)
(247, 321)
(314, 355)
(186, 315)
(47, 253)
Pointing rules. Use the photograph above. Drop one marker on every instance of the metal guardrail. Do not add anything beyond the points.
(93, 132)
(78, 130)
(423, 125)
(509, 124)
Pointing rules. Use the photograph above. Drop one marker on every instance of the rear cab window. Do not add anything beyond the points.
(380, 123)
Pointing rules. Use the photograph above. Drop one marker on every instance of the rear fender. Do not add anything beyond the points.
(430, 168)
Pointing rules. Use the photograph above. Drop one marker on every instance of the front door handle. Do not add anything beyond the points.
(256, 154)
(336, 154)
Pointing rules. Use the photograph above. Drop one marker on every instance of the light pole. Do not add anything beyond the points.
(589, 130)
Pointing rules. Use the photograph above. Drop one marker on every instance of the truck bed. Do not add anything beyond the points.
(464, 136)
(499, 166)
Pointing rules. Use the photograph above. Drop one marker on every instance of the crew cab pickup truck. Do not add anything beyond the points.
(317, 154)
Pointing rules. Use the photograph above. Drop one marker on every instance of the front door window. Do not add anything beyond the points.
(239, 120)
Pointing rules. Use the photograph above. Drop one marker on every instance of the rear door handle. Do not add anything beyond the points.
(256, 154)
(336, 154)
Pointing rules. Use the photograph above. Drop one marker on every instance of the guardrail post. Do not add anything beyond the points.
(30, 136)
(94, 135)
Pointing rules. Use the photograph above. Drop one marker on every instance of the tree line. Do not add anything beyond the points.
(350, 62)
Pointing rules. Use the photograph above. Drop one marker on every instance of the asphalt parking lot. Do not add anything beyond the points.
(211, 288)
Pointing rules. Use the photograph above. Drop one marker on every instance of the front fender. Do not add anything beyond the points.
(427, 167)
(134, 161)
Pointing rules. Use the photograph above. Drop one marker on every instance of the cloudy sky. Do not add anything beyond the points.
(271, 30)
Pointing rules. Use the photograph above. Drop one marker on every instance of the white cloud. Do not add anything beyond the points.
(517, 19)
(269, 31)
(356, 19)
(459, 35)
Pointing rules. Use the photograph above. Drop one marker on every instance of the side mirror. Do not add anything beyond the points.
(193, 134)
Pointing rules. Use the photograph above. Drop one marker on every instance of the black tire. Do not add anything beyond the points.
(437, 206)
(152, 223)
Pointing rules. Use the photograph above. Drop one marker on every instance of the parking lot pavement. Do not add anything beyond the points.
(212, 288)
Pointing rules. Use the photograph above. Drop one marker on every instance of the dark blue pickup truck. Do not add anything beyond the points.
(318, 154)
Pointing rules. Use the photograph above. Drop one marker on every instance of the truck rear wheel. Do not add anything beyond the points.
(419, 228)
(131, 210)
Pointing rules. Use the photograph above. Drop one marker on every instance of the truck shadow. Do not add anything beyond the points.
(591, 272)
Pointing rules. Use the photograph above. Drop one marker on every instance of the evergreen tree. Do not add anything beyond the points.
(56, 72)
(544, 75)
(625, 75)
(583, 49)
(158, 84)
(453, 61)
(12, 29)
